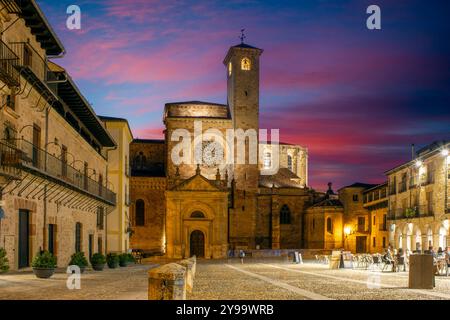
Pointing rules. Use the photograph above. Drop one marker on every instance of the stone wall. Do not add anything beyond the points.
(151, 236)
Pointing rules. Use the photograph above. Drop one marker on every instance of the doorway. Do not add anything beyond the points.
(361, 244)
(24, 238)
(197, 244)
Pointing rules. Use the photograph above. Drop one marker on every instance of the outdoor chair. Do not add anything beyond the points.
(138, 255)
(387, 262)
(401, 262)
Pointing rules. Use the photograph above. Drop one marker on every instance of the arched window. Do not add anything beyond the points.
(197, 214)
(285, 215)
(140, 213)
(245, 64)
(267, 160)
(329, 225)
(289, 162)
(230, 68)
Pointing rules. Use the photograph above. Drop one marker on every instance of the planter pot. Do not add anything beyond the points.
(43, 273)
(113, 265)
(82, 268)
(98, 267)
(124, 264)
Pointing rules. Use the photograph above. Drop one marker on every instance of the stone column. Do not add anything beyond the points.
(167, 282)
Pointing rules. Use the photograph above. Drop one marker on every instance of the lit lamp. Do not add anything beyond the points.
(347, 230)
(419, 163)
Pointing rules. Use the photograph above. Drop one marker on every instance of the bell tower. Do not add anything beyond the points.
(242, 68)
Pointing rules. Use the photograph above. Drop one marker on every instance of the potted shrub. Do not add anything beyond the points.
(78, 259)
(112, 260)
(44, 264)
(124, 260)
(131, 258)
(98, 261)
(4, 263)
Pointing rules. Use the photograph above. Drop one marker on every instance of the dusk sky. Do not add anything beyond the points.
(356, 98)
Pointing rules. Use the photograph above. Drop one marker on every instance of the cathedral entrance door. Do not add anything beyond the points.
(197, 244)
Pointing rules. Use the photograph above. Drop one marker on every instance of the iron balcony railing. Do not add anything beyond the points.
(9, 161)
(411, 213)
(39, 161)
(31, 59)
(8, 66)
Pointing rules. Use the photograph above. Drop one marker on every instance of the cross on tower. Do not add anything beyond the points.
(242, 37)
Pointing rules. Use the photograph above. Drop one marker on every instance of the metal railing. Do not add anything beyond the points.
(8, 65)
(9, 160)
(411, 213)
(30, 58)
(42, 162)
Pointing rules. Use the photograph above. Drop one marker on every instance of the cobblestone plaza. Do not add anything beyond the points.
(231, 280)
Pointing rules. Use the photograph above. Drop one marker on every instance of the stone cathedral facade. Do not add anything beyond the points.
(186, 209)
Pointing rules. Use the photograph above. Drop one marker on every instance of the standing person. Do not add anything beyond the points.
(241, 255)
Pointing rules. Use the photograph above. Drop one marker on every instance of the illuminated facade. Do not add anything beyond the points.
(418, 200)
(53, 148)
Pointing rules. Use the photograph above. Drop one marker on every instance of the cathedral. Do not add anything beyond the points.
(206, 209)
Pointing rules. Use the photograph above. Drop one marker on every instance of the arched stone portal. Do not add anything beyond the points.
(197, 244)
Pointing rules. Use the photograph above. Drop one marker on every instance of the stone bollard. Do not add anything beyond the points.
(194, 267)
(189, 265)
(167, 282)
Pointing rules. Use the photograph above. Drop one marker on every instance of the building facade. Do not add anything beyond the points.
(53, 176)
(207, 207)
(118, 223)
(376, 202)
(418, 200)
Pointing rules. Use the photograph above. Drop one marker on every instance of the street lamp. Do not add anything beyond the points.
(347, 230)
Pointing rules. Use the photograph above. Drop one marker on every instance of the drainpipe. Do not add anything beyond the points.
(44, 233)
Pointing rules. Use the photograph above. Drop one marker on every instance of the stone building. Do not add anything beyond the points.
(324, 223)
(207, 207)
(418, 199)
(118, 221)
(357, 231)
(355, 219)
(147, 186)
(376, 202)
(53, 148)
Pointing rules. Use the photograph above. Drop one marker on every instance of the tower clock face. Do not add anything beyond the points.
(230, 68)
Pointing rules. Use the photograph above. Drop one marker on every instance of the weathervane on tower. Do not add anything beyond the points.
(242, 37)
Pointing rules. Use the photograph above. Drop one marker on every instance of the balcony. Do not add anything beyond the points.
(392, 190)
(9, 62)
(40, 163)
(33, 68)
(421, 211)
(9, 162)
